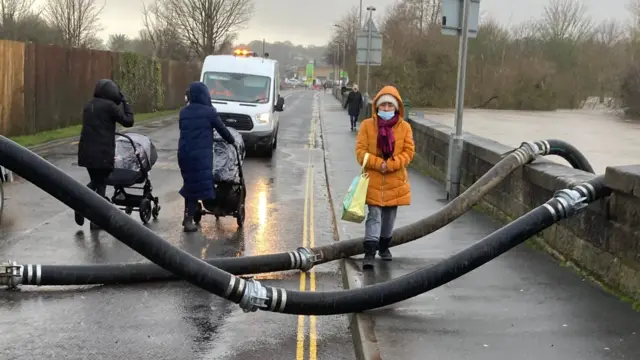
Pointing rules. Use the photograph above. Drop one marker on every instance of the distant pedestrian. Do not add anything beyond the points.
(353, 105)
(97, 145)
(388, 139)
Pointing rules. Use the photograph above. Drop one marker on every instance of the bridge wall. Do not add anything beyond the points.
(603, 241)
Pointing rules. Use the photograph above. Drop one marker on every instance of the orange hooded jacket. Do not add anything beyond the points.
(391, 188)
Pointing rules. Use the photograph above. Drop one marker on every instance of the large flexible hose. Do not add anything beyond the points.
(302, 258)
(250, 294)
(570, 153)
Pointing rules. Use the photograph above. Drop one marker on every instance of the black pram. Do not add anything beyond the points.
(228, 180)
(135, 156)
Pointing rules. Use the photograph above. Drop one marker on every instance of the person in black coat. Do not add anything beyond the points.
(197, 121)
(354, 104)
(96, 148)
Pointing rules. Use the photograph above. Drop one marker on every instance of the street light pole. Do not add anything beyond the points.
(371, 9)
(359, 28)
(457, 141)
(344, 56)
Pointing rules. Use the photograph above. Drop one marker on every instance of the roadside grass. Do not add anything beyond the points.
(71, 131)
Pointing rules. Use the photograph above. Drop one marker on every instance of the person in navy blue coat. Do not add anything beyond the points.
(197, 121)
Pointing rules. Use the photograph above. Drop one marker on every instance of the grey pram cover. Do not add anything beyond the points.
(126, 155)
(225, 160)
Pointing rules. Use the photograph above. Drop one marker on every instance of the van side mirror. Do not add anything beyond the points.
(280, 104)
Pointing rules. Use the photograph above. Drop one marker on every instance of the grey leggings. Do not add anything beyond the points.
(380, 222)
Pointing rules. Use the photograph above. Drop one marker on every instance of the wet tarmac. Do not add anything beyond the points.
(175, 320)
(522, 305)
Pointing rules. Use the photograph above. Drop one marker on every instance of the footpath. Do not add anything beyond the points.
(522, 305)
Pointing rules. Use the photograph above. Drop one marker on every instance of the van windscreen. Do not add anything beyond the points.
(237, 87)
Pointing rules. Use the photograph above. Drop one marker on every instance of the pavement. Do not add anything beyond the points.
(522, 305)
(175, 320)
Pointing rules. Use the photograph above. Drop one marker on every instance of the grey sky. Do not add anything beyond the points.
(310, 21)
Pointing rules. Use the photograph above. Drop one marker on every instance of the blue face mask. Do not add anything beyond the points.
(386, 115)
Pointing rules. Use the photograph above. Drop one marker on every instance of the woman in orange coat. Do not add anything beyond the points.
(388, 139)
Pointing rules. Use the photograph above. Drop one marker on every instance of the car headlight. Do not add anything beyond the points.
(264, 118)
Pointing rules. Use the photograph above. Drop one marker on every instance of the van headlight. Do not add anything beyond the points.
(264, 118)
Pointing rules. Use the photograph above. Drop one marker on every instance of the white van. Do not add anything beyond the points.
(245, 90)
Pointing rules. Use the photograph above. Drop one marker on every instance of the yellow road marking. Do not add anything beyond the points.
(313, 336)
(308, 240)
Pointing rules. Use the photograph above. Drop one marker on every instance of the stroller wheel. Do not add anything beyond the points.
(156, 211)
(240, 216)
(145, 211)
(128, 210)
(197, 217)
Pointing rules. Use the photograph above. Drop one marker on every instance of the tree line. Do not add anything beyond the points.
(556, 61)
(172, 29)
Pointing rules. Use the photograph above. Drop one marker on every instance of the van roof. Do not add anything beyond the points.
(239, 64)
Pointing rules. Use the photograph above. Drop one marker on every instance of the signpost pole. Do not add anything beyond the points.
(456, 140)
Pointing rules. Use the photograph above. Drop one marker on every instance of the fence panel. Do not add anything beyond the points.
(43, 87)
(11, 88)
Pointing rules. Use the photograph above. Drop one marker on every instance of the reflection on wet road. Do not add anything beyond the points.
(286, 200)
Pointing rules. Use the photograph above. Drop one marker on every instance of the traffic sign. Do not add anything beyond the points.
(452, 17)
(369, 43)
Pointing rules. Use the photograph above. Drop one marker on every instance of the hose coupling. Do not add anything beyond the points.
(572, 201)
(532, 148)
(307, 258)
(526, 152)
(254, 296)
(10, 274)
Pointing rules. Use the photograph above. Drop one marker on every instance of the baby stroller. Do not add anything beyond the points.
(228, 181)
(135, 156)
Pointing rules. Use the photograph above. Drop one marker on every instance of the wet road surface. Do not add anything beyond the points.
(522, 305)
(175, 320)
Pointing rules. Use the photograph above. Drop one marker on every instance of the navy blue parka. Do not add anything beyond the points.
(195, 148)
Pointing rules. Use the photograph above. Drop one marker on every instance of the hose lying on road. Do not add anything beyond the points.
(302, 258)
(250, 294)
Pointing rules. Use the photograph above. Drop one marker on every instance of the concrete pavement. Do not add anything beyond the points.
(176, 320)
(522, 305)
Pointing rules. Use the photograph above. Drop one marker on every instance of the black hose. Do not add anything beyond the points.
(564, 204)
(303, 259)
(570, 153)
(251, 295)
(43, 174)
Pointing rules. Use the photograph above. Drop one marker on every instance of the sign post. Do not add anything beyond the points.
(369, 46)
(459, 18)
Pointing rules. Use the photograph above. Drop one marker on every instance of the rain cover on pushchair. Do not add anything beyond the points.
(225, 161)
(126, 155)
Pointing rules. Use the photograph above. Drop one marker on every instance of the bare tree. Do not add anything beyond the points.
(566, 20)
(609, 33)
(205, 26)
(78, 20)
(14, 10)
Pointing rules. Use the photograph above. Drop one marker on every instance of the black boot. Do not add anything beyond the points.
(383, 249)
(370, 248)
(188, 225)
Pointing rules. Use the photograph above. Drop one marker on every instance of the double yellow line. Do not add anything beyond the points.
(308, 240)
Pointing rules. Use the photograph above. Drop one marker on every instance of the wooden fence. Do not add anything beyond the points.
(43, 87)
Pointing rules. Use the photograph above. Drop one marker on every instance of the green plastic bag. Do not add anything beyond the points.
(355, 200)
